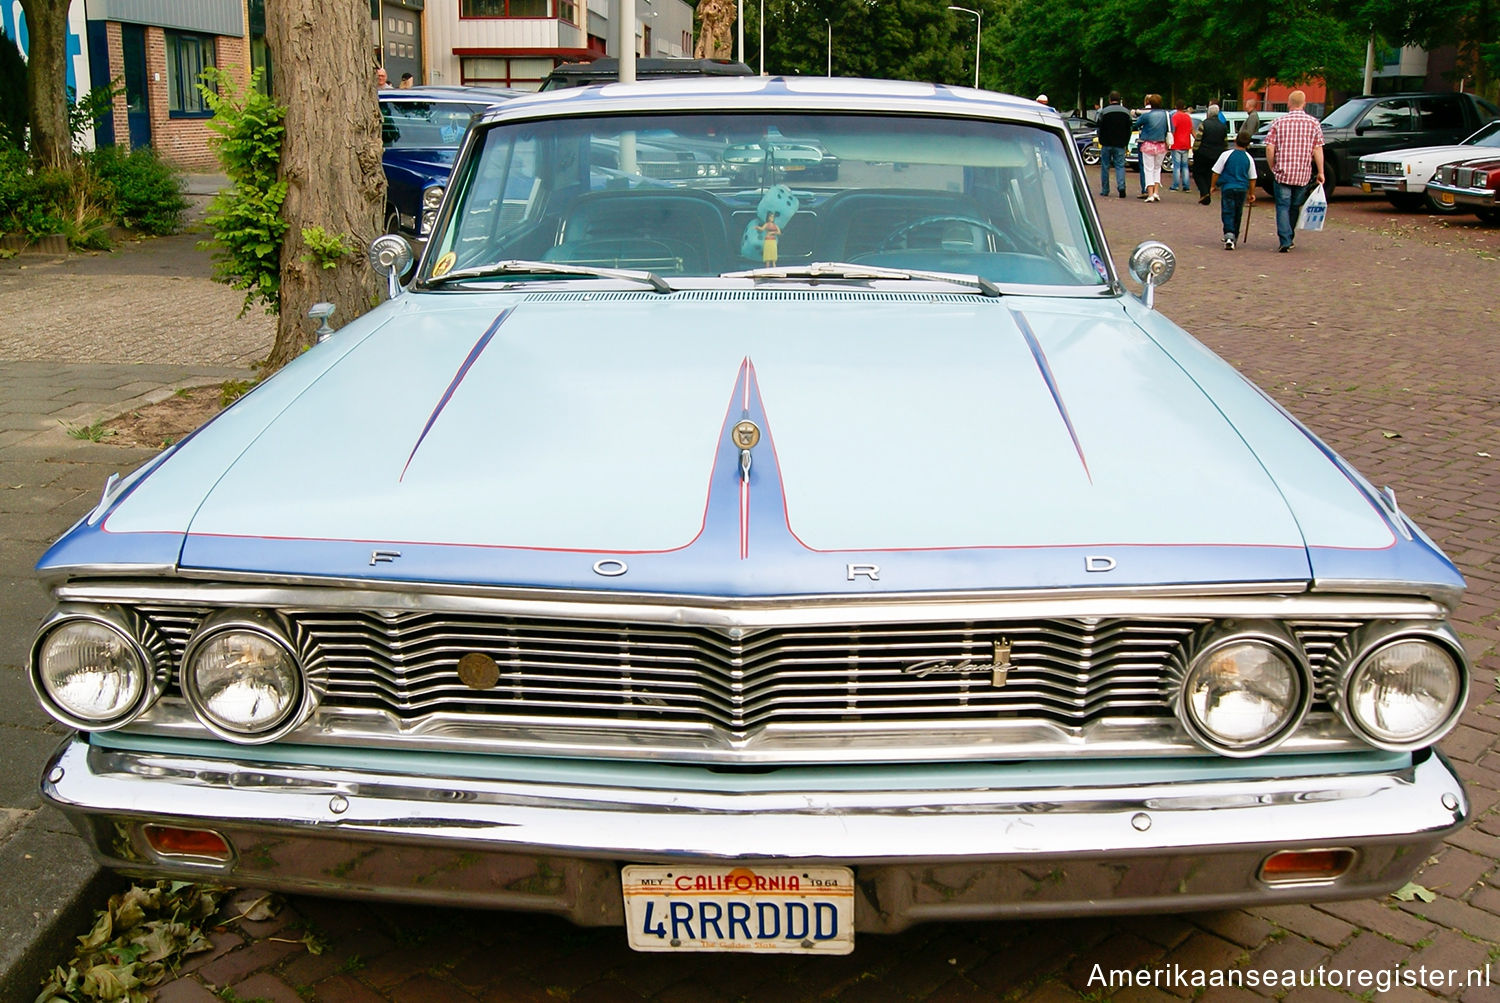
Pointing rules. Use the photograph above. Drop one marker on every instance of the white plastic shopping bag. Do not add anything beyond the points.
(1314, 211)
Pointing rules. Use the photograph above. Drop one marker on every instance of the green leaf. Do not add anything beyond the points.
(1413, 891)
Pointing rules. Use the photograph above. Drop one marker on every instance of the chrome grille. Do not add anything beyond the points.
(1065, 672)
(1383, 168)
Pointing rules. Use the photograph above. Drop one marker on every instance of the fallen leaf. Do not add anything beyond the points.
(1412, 891)
(1391, 435)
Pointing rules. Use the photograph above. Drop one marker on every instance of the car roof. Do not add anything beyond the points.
(449, 92)
(789, 93)
(608, 68)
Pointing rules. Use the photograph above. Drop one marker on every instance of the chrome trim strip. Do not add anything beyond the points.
(773, 745)
(1260, 601)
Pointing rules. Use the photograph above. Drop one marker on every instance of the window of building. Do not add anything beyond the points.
(567, 10)
(506, 8)
(187, 57)
(524, 74)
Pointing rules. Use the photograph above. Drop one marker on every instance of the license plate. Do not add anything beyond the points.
(1365, 187)
(1445, 197)
(769, 910)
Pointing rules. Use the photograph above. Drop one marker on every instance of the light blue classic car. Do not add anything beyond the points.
(752, 564)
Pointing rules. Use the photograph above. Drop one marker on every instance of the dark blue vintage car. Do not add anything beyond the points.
(420, 128)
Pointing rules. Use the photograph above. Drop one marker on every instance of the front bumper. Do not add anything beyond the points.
(964, 849)
(1380, 183)
(1483, 198)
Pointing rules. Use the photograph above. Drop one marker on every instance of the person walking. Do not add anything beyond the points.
(1182, 145)
(1234, 177)
(1213, 140)
(1294, 156)
(1251, 125)
(1153, 125)
(1114, 127)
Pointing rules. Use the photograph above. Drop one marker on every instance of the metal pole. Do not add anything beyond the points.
(740, 24)
(978, 34)
(830, 45)
(761, 69)
(1369, 63)
(627, 76)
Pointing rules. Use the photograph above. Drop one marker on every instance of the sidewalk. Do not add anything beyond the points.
(83, 338)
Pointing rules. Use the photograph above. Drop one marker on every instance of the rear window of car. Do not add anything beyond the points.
(1440, 113)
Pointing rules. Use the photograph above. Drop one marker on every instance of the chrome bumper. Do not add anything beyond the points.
(1484, 198)
(1381, 183)
(961, 852)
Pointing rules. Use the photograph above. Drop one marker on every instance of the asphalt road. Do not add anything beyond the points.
(1381, 333)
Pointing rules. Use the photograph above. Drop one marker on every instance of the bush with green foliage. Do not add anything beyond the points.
(100, 188)
(143, 191)
(246, 218)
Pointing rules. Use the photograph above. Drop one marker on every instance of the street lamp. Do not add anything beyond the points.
(830, 45)
(978, 24)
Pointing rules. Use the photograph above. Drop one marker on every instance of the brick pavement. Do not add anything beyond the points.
(1381, 334)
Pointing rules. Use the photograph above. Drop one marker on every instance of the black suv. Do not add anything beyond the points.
(1382, 122)
(606, 70)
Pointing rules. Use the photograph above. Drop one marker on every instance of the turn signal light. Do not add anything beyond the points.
(1286, 867)
(171, 841)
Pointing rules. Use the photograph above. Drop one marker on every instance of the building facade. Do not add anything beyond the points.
(157, 49)
(516, 43)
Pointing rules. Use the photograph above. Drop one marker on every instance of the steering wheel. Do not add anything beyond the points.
(1003, 240)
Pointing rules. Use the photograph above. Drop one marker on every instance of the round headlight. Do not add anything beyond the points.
(1243, 696)
(243, 684)
(1405, 693)
(432, 197)
(90, 674)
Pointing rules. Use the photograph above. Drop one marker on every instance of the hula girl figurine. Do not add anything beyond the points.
(771, 231)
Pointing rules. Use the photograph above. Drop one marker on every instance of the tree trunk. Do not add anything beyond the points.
(323, 71)
(47, 81)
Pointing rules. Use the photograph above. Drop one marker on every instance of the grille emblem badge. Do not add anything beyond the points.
(999, 667)
(478, 671)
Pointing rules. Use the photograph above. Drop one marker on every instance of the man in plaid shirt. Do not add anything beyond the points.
(1294, 155)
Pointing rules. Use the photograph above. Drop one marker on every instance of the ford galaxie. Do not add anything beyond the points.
(755, 564)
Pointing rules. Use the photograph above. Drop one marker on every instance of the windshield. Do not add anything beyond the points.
(425, 125)
(1345, 115)
(1488, 135)
(704, 194)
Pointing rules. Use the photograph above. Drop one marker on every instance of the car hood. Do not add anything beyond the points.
(553, 439)
(435, 163)
(1451, 152)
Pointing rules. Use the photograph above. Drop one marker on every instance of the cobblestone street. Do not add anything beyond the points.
(1381, 333)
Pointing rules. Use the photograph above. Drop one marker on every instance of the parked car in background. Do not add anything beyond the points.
(420, 129)
(606, 69)
(624, 568)
(1469, 184)
(1084, 130)
(1402, 175)
(1378, 124)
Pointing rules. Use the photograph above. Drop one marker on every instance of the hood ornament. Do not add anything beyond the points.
(745, 435)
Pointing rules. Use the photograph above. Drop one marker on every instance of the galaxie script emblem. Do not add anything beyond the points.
(998, 668)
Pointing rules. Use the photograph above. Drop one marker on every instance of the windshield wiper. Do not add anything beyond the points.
(844, 270)
(522, 267)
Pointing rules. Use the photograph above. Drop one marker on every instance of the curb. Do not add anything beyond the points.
(59, 886)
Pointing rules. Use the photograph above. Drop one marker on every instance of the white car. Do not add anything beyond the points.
(1402, 175)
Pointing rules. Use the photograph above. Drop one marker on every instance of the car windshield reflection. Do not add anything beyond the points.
(703, 195)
